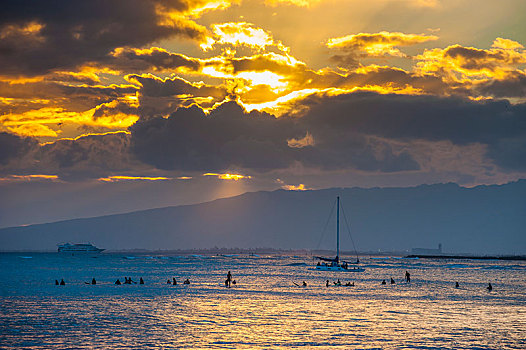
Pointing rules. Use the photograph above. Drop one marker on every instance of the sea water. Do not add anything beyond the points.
(265, 309)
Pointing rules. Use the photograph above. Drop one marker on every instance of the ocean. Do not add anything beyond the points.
(267, 308)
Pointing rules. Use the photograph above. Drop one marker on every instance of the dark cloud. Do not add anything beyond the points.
(498, 124)
(514, 85)
(154, 59)
(163, 96)
(230, 139)
(13, 146)
(41, 36)
(90, 156)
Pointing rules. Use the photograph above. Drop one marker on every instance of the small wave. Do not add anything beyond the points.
(129, 257)
(497, 267)
(25, 257)
(296, 264)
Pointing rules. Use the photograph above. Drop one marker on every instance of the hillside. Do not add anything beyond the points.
(483, 219)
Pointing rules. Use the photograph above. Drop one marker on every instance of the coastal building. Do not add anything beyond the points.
(427, 251)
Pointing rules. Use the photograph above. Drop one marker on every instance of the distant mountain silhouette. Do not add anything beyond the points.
(483, 219)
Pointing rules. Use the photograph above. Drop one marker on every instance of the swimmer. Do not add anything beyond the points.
(187, 281)
(327, 283)
(457, 285)
(93, 281)
(141, 281)
(168, 282)
(304, 284)
(489, 287)
(56, 283)
(383, 282)
(62, 283)
(392, 281)
(118, 282)
(174, 282)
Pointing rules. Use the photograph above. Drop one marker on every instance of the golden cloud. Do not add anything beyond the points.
(133, 178)
(241, 34)
(378, 44)
(227, 176)
(464, 64)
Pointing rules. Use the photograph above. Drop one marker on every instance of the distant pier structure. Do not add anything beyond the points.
(427, 251)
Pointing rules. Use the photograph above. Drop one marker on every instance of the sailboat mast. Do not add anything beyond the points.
(338, 229)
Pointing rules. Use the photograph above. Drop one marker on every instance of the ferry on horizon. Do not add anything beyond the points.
(78, 248)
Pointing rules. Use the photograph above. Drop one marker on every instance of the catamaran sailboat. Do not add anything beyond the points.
(335, 264)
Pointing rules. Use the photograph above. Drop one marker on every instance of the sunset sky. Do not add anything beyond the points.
(111, 106)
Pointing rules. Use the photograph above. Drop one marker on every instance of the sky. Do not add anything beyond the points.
(113, 106)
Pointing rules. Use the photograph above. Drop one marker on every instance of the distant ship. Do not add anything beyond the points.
(78, 248)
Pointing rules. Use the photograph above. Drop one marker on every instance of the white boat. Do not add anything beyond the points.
(78, 248)
(335, 264)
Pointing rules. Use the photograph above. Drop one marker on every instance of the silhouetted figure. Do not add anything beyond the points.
(168, 282)
(226, 284)
(228, 279)
(234, 282)
(186, 281)
(130, 281)
(338, 283)
(118, 282)
(62, 283)
(392, 281)
(174, 282)
(56, 283)
(457, 285)
(327, 283)
(383, 282)
(489, 287)
(407, 277)
(93, 281)
(141, 281)
(349, 284)
(304, 284)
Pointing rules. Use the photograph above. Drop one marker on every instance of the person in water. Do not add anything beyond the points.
(392, 281)
(489, 287)
(327, 283)
(62, 283)
(141, 281)
(186, 281)
(174, 282)
(228, 279)
(118, 282)
(383, 282)
(304, 284)
(56, 283)
(407, 277)
(168, 282)
(93, 281)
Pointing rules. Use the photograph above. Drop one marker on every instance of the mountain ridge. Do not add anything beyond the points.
(394, 218)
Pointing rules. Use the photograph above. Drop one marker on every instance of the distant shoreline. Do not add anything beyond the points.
(468, 257)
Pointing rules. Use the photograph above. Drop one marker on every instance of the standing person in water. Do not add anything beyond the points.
(489, 287)
(228, 279)
(407, 277)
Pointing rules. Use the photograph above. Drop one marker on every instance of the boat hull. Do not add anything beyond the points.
(340, 268)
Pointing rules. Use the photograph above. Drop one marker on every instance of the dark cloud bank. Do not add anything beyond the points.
(355, 131)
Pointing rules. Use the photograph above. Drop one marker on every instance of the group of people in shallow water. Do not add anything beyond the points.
(127, 280)
(229, 282)
(174, 281)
